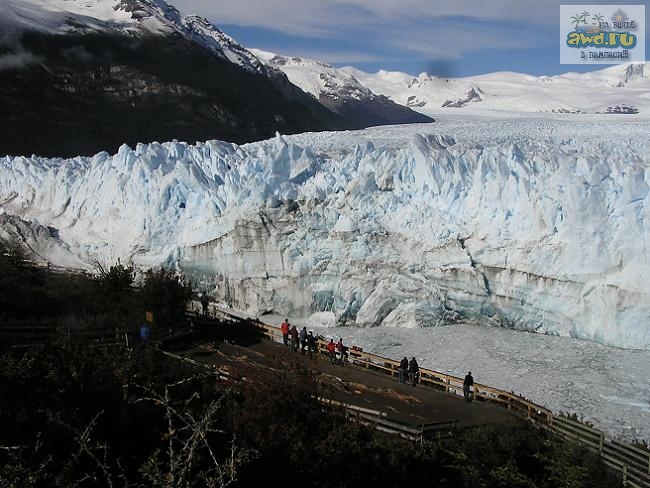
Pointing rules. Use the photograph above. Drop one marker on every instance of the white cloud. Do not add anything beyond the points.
(296, 17)
(328, 16)
(454, 40)
(17, 60)
(441, 29)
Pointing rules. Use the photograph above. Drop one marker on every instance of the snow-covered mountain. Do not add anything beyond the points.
(133, 17)
(116, 71)
(617, 89)
(125, 71)
(534, 222)
(340, 91)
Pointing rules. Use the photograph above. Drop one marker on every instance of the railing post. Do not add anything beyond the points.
(601, 442)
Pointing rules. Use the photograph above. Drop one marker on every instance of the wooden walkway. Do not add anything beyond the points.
(354, 387)
(369, 390)
(237, 347)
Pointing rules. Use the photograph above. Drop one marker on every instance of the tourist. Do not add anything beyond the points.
(414, 371)
(340, 349)
(467, 387)
(303, 340)
(293, 333)
(331, 350)
(311, 345)
(284, 328)
(205, 300)
(403, 369)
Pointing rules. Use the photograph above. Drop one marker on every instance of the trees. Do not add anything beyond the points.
(107, 417)
(21, 285)
(165, 294)
(117, 281)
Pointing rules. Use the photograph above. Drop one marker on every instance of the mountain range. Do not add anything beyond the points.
(126, 71)
(621, 89)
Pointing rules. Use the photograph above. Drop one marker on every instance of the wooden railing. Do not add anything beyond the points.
(379, 421)
(161, 336)
(634, 463)
(19, 334)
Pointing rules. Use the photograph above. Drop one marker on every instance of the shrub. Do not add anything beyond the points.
(165, 294)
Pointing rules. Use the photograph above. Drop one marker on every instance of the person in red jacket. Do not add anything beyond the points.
(331, 349)
(285, 332)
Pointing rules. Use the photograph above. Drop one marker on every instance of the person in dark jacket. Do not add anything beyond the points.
(341, 352)
(205, 301)
(311, 345)
(303, 340)
(403, 369)
(414, 371)
(467, 387)
(293, 334)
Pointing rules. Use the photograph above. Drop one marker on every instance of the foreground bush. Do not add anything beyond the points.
(73, 416)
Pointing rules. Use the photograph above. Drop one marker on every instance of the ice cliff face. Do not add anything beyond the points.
(533, 223)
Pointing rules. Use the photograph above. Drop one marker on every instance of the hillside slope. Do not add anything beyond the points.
(82, 77)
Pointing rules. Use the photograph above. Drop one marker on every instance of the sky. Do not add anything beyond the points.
(444, 38)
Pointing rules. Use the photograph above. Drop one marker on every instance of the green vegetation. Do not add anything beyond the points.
(74, 414)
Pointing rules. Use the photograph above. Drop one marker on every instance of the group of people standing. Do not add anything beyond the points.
(301, 340)
(307, 343)
(407, 370)
(411, 370)
(337, 352)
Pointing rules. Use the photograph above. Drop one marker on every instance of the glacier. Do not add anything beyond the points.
(527, 221)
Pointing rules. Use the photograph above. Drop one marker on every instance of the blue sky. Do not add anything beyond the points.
(445, 38)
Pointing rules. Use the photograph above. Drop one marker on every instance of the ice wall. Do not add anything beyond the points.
(403, 226)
